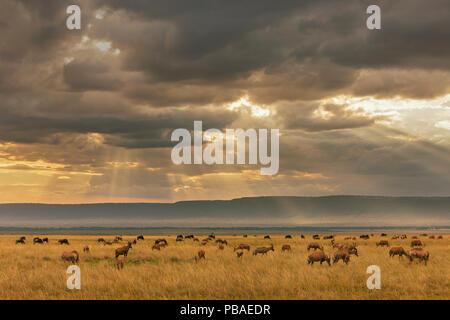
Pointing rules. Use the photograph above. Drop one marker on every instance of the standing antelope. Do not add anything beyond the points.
(315, 246)
(70, 256)
(200, 255)
(123, 250)
(286, 247)
(263, 250)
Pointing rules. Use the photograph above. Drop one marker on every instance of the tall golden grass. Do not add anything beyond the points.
(37, 271)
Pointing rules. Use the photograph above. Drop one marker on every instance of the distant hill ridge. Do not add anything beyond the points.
(257, 211)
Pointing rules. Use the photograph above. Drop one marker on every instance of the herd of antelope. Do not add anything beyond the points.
(343, 251)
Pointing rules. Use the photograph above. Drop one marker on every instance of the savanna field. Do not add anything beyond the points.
(38, 272)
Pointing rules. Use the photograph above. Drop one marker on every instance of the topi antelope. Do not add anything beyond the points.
(200, 255)
(315, 246)
(123, 250)
(318, 256)
(286, 247)
(263, 250)
(70, 256)
(242, 246)
(397, 251)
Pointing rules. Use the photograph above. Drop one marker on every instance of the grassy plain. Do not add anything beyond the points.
(37, 271)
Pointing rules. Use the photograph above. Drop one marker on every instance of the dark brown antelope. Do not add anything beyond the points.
(100, 240)
(63, 241)
(118, 238)
(416, 243)
(263, 250)
(418, 253)
(161, 241)
(341, 254)
(123, 250)
(397, 251)
(351, 248)
(86, 249)
(70, 256)
(200, 255)
(318, 256)
(21, 241)
(242, 246)
(286, 247)
(382, 243)
(315, 246)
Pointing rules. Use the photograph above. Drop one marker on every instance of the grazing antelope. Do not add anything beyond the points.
(245, 236)
(440, 237)
(156, 247)
(221, 247)
(318, 256)
(341, 254)
(242, 246)
(431, 237)
(384, 235)
(267, 237)
(212, 236)
(86, 249)
(120, 261)
(263, 250)
(140, 237)
(288, 236)
(118, 238)
(316, 237)
(70, 256)
(404, 236)
(351, 248)
(200, 255)
(37, 240)
(222, 241)
(23, 238)
(100, 240)
(315, 246)
(397, 251)
(123, 250)
(239, 253)
(21, 241)
(45, 240)
(382, 243)
(416, 243)
(63, 241)
(302, 236)
(328, 237)
(161, 241)
(364, 236)
(286, 247)
(419, 254)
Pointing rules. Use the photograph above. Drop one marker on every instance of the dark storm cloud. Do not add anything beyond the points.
(64, 101)
(87, 75)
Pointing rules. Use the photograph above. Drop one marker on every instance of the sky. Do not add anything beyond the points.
(87, 115)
